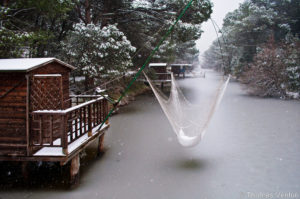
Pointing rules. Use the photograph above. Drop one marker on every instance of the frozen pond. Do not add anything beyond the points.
(251, 149)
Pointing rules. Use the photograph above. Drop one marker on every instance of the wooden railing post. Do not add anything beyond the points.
(64, 134)
(89, 120)
(51, 130)
(105, 111)
(40, 130)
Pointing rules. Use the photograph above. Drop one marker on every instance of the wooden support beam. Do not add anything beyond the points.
(74, 170)
(100, 145)
(25, 171)
(27, 117)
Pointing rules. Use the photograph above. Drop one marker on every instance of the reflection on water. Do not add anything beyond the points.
(195, 165)
(42, 176)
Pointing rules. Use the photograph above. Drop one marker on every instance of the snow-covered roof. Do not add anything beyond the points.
(28, 64)
(181, 64)
(157, 64)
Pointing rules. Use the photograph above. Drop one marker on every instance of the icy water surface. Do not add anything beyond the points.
(251, 149)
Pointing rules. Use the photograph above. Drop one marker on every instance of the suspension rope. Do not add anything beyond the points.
(225, 43)
(223, 62)
(171, 28)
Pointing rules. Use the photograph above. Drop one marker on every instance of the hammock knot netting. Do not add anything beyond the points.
(188, 121)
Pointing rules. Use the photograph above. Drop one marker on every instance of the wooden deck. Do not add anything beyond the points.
(58, 135)
(55, 151)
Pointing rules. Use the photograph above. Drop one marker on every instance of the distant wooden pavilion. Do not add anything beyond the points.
(162, 73)
(181, 69)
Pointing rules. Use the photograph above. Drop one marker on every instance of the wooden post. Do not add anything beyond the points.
(51, 130)
(84, 118)
(27, 116)
(80, 120)
(64, 136)
(100, 145)
(76, 124)
(94, 114)
(74, 170)
(98, 115)
(89, 120)
(40, 130)
(25, 172)
(105, 110)
(61, 94)
(162, 86)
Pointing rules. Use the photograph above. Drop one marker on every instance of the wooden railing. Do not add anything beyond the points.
(59, 128)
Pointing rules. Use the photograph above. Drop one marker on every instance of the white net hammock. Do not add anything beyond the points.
(188, 121)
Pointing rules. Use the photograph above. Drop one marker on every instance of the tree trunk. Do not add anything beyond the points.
(89, 82)
(5, 3)
(87, 12)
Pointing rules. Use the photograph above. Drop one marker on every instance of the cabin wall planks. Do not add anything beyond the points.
(13, 94)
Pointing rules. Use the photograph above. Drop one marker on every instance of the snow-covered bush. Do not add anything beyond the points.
(276, 70)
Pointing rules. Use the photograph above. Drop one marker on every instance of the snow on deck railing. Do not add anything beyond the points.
(85, 96)
(47, 75)
(69, 109)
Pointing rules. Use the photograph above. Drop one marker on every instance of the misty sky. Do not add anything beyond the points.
(220, 9)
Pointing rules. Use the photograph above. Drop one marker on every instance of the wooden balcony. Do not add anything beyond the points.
(60, 133)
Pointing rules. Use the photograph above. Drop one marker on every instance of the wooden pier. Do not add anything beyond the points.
(39, 121)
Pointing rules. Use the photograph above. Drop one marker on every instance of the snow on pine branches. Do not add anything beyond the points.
(99, 51)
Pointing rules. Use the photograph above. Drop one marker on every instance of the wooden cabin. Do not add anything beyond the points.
(180, 69)
(161, 71)
(37, 119)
